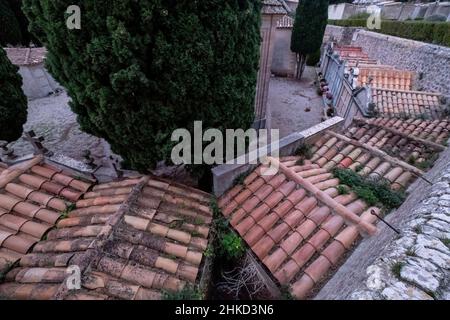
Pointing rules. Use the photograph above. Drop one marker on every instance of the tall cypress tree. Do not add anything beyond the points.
(27, 37)
(139, 69)
(10, 33)
(309, 28)
(13, 103)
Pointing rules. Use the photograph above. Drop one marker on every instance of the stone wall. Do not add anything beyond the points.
(430, 62)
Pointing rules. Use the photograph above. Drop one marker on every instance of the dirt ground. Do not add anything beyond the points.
(52, 119)
(289, 100)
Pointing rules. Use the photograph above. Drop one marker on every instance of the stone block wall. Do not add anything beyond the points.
(430, 62)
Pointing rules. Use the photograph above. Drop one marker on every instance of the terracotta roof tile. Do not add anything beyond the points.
(31, 203)
(412, 104)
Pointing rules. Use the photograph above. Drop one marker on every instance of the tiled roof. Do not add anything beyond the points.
(386, 78)
(26, 56)
(354, 56)
(32, 198)
(299, 237)
(273, 7)
(295, 236)
(331, 152)
(403, 103)
(132, 239)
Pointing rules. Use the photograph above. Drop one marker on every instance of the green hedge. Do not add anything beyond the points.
(431, 32)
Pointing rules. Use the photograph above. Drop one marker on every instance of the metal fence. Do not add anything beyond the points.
(347, 102)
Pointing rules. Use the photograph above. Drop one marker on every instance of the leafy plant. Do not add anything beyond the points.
(239, 180)
(372, 191)
(446, 242)
(231, 246)
(396, 268)
(305, 150)
(13, 103)
(342, 190)
(418, 229)
(189, 293)
(411, 252)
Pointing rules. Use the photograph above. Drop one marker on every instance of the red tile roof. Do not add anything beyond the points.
(132, 239)
(386, 78)
(401, 103)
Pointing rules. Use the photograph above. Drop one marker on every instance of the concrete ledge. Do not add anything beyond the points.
(224, 175)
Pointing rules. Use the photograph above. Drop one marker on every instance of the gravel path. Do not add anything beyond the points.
(289, 100)
(52, 118)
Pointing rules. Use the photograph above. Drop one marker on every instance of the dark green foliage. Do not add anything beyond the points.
(304, 151)
(342, 189)
(313, 59)
(13, 103)
(374, 192)
(309, 27)
(10, 33)
(426, 31)
(139, 69)
(232, 246)
(396, 269)
(27, 37)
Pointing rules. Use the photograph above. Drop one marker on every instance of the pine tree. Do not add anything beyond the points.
(27, 37)
(10, 33)
(309, 27)
(139, 69)
(13, 103)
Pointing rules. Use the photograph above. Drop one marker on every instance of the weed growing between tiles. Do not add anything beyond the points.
(233, 275)
(305, 151)
(373, 192)
(189, 293)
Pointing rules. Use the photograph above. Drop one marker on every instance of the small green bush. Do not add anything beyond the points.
(188, 293)
(231, 246)
(435, 32)
(304, 151)
(374, 192)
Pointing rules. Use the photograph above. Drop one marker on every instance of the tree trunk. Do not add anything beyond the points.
(301, 63)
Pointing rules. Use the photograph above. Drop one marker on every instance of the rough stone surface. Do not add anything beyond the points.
(412, 266)
(430, 62)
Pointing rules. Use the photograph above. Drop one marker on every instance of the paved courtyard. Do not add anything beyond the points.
(289, 100)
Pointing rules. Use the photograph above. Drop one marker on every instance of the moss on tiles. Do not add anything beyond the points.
(374, 192)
